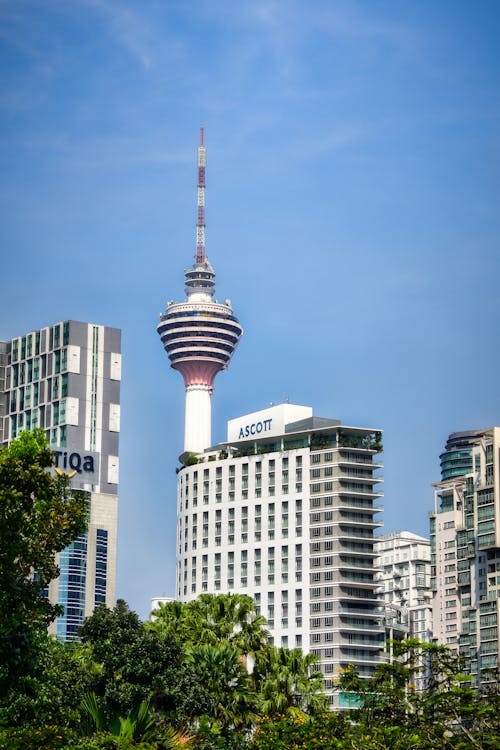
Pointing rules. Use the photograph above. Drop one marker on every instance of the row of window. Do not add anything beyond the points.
(29, 420)
(40, 341)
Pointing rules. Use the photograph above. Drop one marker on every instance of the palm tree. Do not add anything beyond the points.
(213, 619)
(231, 618)
(137, 727)
(286, 680)
(171, 620)
(225, 694)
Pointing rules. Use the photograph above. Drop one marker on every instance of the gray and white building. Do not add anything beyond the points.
(285, 511)
(404, 566)
(65, 379)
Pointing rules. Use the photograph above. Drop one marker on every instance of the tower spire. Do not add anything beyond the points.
(199, 334)
(200, 222)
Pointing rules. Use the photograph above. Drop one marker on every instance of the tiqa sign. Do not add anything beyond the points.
(74, 461)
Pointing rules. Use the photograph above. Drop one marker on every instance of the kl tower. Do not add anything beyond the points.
(200, 334)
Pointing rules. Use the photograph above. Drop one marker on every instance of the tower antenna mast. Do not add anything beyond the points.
(200, 223)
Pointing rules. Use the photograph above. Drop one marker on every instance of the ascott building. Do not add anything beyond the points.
(285, 511)
(65, 379)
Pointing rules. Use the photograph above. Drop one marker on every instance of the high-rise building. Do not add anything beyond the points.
(404, 565)
(465, 550)
(199, 334)
(65, 379)
(285, 511)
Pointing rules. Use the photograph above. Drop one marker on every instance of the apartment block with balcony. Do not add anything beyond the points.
(285, 510)
(465, 549)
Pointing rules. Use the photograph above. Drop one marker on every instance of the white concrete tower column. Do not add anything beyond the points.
(198, 418)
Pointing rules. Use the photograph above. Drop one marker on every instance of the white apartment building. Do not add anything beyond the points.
(285, 511)
(404, 563)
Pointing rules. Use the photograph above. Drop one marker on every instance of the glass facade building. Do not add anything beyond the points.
(465, 558)
(65, 379)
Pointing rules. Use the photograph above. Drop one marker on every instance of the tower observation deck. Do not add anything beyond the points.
(199, 334)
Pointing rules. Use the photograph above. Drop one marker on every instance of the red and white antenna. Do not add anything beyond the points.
(200, 223)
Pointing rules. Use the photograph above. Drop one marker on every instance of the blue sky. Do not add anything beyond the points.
(352, 218)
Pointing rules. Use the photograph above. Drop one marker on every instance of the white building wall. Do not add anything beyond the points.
(294, 530)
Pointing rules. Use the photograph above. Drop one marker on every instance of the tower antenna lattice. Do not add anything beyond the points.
(200, 222)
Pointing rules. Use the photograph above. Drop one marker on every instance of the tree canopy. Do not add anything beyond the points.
(39, 517)
(201, 675)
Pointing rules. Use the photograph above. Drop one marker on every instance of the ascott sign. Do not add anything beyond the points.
(266, 423)
(255, 428)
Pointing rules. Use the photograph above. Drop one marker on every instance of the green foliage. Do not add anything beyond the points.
(139, 727)
(217, 633)
(213, 736)
(52, 694)
(214, 620)
(188, 669)
(39, 516)
(224, 694)
(299, 731)
(447, 715)
(286, 680)
(47, 737)
(190, 459)
(135, 664)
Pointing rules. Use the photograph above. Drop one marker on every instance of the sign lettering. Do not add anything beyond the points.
(74, 461)
(255, 428)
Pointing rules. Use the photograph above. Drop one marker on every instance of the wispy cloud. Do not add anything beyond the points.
(134, 31)
(103, 152)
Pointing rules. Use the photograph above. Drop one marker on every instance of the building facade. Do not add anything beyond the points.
(65, 379)
(285, 511)
(404, 565)
(465, 549)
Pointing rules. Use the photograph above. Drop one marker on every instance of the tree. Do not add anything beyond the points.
(224, 692)
(449, 714)
(39, 517)
(286, 679)
(134, 663)
(214, 619)
(139, 727)
(52, 694)
(328, 731)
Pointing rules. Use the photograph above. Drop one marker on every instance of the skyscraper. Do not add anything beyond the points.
(65, 379)
(199, 334)
(465, 550)
(285, 511)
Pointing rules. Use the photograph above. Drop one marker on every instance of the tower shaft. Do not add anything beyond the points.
(198, 418)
